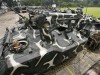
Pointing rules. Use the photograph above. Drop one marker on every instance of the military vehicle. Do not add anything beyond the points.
(43, 41)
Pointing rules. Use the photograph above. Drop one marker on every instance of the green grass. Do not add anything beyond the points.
(95, 11)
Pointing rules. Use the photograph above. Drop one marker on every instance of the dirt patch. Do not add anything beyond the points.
(7, 20)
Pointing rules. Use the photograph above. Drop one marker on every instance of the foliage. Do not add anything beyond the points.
(30, 2)
(0, 3)
(62, 3)
(9, 2)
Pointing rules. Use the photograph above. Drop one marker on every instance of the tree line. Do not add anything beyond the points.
(60, 3)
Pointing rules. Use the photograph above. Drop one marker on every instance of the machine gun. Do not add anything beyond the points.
(23, 19)
(44, 26)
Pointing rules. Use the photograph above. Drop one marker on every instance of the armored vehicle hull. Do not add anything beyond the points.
(39, 56)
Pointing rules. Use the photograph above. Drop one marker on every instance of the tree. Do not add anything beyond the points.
(96, 2)
(0, 3)
(9, 2)
(30, 2)
(62, 3)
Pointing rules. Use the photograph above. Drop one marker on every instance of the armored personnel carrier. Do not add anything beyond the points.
(42, 42)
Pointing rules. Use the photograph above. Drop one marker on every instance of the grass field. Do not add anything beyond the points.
(95, 11)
